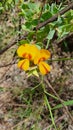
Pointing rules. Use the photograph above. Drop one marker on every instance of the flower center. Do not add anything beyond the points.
(27, 56)
(41, 59)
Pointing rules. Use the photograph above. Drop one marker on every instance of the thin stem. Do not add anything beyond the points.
(47, 103)
(49, 107)
(50, 95)
(61, 59)
(36, 86)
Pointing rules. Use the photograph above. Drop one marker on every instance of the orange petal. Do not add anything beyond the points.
(42, 56)
(23, 64)
(44, 68)
(45, 53)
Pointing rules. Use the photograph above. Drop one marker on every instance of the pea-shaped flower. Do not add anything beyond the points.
(39, 60)
(27, 52)
(30, 52)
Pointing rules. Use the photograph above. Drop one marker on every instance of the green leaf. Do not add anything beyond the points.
(46, 16)
(64, 29)
(1, 8)
(34, 22)
(66, 103)
(1, 89)
(39, 45)
(27, 26)
(35, 7)
(24, 6)
(54, 9)
(47, 7)
(50, 34)
(23, 42)
(30, 10)
(35, 73)
(9, 1)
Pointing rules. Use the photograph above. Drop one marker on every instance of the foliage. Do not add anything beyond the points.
(33, 14)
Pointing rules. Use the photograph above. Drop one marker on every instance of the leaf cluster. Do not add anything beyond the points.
(34, 13)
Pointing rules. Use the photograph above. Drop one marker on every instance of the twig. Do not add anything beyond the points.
(8, 67)
(63, 38)
(3, 78)
(11, 63)
(16, 105)
(59, 119)
(18, 124)
(47, 82)
(12, 43)
(70, 6)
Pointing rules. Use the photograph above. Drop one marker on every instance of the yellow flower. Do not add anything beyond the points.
(28, 52)
(39, 60)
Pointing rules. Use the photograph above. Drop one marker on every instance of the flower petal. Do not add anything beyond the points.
(33, 51)
(22, 49)
(23, 64)
(27, 51)
(45, 53)
(42, 55)
(44, 68)
(36, 59)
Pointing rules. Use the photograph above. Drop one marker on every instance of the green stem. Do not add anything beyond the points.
(36, 86)
(48, 104)
(50, 95)
(49, 107)
(61, 59)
